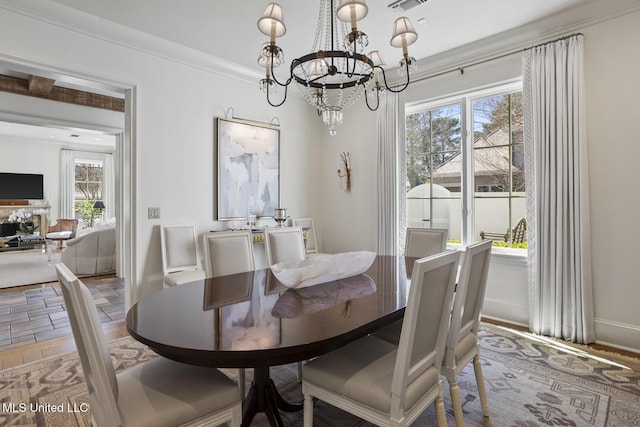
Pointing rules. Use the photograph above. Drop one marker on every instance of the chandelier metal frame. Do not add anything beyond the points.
(326, 73)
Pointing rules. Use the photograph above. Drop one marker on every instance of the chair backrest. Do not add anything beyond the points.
(228, 253)
(65, 224)
(310, 244)
(284, 244)
(465, 317)
(422, 242)
(519, 232)
(179, 248)
(426, 321)
(92, 348)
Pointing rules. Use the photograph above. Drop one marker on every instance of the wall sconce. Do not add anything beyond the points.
(344, 170)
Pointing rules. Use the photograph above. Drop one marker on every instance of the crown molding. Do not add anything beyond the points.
(101, 29)
(511, 42)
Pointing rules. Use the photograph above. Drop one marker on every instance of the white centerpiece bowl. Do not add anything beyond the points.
(322, 269)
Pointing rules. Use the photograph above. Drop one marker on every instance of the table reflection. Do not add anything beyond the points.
(297, 302)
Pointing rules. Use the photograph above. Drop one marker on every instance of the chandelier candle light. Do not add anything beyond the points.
(337, 72)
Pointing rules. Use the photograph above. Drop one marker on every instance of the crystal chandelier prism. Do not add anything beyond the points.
(336, 73)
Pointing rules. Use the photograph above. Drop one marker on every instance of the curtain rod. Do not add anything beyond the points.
(493, 58)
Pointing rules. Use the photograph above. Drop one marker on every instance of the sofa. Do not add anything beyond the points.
(92, 252)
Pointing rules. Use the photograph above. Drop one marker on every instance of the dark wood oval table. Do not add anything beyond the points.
(250, 320)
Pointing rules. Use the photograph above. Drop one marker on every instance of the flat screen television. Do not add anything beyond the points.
(21, 186)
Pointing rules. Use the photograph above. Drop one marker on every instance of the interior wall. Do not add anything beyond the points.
(21, 155)
(348, 219)
(175, 108)
(612, 93)
(612, 59)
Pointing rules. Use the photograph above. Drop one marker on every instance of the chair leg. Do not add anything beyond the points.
(481, 389)
(440, 414)
(299, 373)
(241, 382)
(456, 403)
(308, 410)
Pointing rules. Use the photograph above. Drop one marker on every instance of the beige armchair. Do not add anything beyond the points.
(92, 253)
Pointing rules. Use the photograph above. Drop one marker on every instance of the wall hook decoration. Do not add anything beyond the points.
(344, 170)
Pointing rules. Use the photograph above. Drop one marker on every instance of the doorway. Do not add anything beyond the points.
(45, 114)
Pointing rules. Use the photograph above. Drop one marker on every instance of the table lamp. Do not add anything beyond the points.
(99, 204)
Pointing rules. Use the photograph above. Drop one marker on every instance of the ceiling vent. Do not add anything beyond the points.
(401, 6)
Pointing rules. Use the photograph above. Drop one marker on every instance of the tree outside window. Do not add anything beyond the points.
(89, 176)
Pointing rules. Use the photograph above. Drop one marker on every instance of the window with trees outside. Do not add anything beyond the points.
(465, 167)
(88, 183)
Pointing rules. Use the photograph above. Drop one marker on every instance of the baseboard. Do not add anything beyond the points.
(618, 335)
(505, 312)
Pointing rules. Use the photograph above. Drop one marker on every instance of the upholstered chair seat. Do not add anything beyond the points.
(158, 392)
(384, 383)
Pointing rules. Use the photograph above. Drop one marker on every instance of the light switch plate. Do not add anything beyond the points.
(154, 213)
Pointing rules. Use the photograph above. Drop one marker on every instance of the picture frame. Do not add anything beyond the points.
(248, 169)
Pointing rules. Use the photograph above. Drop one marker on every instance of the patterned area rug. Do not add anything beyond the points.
(530, 382)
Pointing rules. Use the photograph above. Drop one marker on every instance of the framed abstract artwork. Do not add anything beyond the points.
(248, 164)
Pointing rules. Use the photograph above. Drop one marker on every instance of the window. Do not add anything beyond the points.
(88, 184)
(482, 175)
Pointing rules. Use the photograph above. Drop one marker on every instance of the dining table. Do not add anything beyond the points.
(252, 320)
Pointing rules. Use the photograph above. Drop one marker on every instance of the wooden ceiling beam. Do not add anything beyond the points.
(38, 87)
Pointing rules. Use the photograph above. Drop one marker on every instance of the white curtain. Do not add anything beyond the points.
(391, 174)
(67, 182)
(108, 186)
(560, 284)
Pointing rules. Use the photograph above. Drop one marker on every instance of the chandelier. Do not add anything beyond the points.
(337, 71)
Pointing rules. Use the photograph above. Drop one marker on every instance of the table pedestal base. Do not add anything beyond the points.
(264, 397)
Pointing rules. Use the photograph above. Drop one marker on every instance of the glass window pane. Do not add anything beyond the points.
(446, 215)
(491, 115)
(81, 172)
(446, 131)
(449, 173)
(492, 218)
(418, 136)
(492, 170)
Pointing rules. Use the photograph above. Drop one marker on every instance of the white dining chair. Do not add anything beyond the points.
(422, 242)
(229, 252)
(284, 244)
(311, 241)
(156, 392)
(179, 247)
(382, 383)
(462, 341)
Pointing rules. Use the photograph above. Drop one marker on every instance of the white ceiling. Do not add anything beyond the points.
(65, 136)
(227, 29)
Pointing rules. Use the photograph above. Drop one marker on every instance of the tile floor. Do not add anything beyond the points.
(35, 314)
